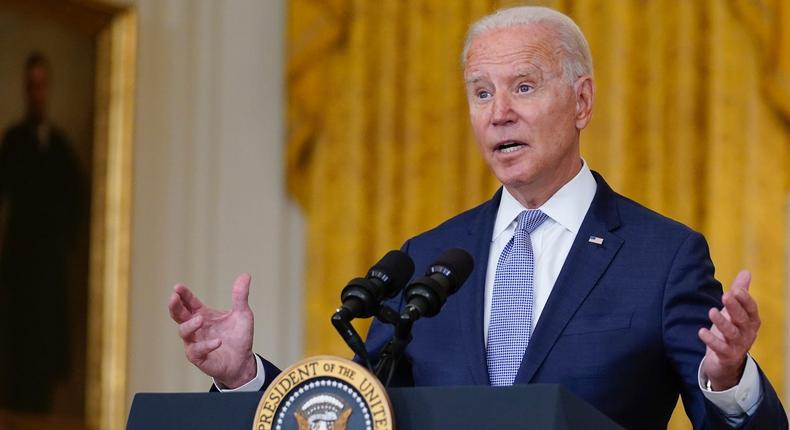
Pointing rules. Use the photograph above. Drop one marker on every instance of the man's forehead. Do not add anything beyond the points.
(526, 34)
(525, 70)
(523, 48)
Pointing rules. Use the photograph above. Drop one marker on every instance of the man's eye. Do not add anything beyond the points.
(524, 88)
(483, 95)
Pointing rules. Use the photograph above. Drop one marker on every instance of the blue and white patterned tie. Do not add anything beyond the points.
(510, 325)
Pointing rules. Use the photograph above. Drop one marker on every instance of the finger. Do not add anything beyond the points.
(199, 350)
(737, 314)
(241, 292)
(728, 330)
(723, 309)
(191, 301)
(747, 302)
(742, 280)
(714, 329)
(178, 312)
(188, 328)
(714, 343)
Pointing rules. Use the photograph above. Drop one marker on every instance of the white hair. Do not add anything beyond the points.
(576, 61)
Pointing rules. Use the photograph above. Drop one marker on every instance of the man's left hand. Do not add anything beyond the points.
(733, 332)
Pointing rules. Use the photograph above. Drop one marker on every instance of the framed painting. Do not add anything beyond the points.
(67, 88)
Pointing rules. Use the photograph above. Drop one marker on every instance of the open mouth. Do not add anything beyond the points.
(509, 146)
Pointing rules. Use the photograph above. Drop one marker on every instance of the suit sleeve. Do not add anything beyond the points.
(270, 371)
(690, 291)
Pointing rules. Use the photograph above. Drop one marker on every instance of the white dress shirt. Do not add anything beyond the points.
(551, 243)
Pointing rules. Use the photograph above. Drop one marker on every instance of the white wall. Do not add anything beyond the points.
(209, 199)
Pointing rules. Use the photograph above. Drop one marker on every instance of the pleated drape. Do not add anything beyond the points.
(690, 119)
(379, 145)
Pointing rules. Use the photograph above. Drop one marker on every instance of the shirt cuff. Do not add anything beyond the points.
(741, 399)
(254, 384)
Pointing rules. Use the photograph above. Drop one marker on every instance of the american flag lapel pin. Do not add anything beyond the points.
(596, 240)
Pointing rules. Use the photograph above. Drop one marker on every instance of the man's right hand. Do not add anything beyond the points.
(218, 342)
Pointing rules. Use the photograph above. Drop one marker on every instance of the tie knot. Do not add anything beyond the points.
(530, 219)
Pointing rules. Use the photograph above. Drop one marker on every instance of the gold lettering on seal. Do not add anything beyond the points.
(377, 407)
(319, 369)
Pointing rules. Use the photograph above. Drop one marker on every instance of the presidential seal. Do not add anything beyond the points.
(325, 393)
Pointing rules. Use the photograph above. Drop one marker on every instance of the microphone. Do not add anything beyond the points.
(426, 295)
(362, 296)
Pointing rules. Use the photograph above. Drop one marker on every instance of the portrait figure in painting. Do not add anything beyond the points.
(43, 211)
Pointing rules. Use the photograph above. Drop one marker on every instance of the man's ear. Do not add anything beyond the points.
(584, 88)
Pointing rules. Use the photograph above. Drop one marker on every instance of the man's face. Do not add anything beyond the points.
(524, 112)
(37, 89)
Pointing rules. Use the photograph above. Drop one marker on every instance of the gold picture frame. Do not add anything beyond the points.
(115, 30)
(111, 223)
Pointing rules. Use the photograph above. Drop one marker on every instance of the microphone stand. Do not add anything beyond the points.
(393, 351)
(341, 320)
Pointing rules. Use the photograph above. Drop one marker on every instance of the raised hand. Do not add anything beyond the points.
(218, 342)
(733, 332)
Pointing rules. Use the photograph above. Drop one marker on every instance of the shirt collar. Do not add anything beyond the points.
(566, 207)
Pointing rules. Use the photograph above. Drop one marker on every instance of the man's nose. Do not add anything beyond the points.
(503, 113)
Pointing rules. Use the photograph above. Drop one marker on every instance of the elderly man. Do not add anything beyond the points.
(574, 284)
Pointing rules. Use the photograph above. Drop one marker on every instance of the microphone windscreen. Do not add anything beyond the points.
(458, 262)
(397, 268)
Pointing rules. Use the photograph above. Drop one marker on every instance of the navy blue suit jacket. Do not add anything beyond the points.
(619, 328)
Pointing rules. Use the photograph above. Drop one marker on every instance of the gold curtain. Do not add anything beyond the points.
(689, 119)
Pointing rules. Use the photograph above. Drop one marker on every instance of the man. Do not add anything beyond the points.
(43, 206)
(573, 284)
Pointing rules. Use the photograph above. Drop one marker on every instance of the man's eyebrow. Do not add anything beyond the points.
(529, 72)
(472, 79)
(521, 72)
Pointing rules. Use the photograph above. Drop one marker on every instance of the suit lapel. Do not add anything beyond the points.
(471, 296)
(583, 267)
